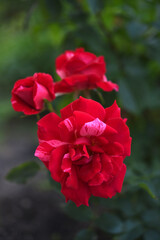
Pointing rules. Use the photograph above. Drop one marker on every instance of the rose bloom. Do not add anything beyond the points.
(28, 94)
(81, 70)
(84, 149)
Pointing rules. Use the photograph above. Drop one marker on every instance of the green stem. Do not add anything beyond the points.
(87, 94)
(50, 107)
(38, 117)
(100, 96)
(75, 95)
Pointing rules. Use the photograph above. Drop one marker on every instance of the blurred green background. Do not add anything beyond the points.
(127, 34)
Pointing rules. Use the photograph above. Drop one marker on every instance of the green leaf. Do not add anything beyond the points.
(23, 172)
(129, 208)
(136, 29)
(127, 98)
(90, 36)
(55, 185)
(82, 213)
(110, 223)
(130, 224)
(148, 188)
(86, 234)
(153, 99)
(101, 98)
(132, 235)
(150, 234)
(95, 5)
(54, 7)
(151, 218)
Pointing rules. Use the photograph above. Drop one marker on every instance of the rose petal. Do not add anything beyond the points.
(74, 65)
(123, 134)
(26, 95)
(89, 106)
(82, 141)
(78, 153)
(72, 83)
(66, 163)
(117, 162)
(113, 111)
(67, 129)
(55, 143)
(96, 180)
(107, 166)
(114, 149)
(43, 151)
(97, 68)
(93, 128)
(79, 196)
(45, 80)
(108, 86)
(86, 57)
(20, 106)
(72, 180)
(88, 171)
(56, 162)
(48, 127)
(39, 94)
(110, 189)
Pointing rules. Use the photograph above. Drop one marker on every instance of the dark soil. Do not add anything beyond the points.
(31, 211)
(33, 215)
(28, 212)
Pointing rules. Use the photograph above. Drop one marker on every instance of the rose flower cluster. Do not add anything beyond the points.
(85, 147)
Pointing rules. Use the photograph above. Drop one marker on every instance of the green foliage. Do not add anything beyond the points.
(86, 234)
(148, 188)
(110, 223)
(150, 234)
(95, 5)
(34, 33)
(134, 234)
(82, 213)
(23, 172)
(127, 98)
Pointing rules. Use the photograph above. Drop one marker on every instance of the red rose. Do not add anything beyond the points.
(28, 94)
(81, 70)
(84, 149)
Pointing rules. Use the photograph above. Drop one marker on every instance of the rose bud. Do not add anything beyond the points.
(81, 70)
(84, 149)
(28, 94)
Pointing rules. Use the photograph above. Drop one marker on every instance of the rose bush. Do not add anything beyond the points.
(84, 149)
(81, 70)
(28, 94)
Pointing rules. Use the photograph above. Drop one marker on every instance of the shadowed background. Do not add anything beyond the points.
(127, 34)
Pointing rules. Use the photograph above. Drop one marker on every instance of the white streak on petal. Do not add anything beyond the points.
(68, 125)
(105, 78)
(66, 155)
(42, 154)
(69, 55)
(93, 128)
(67, 170)
(66, 165)
(54, 143)
(61, 73)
